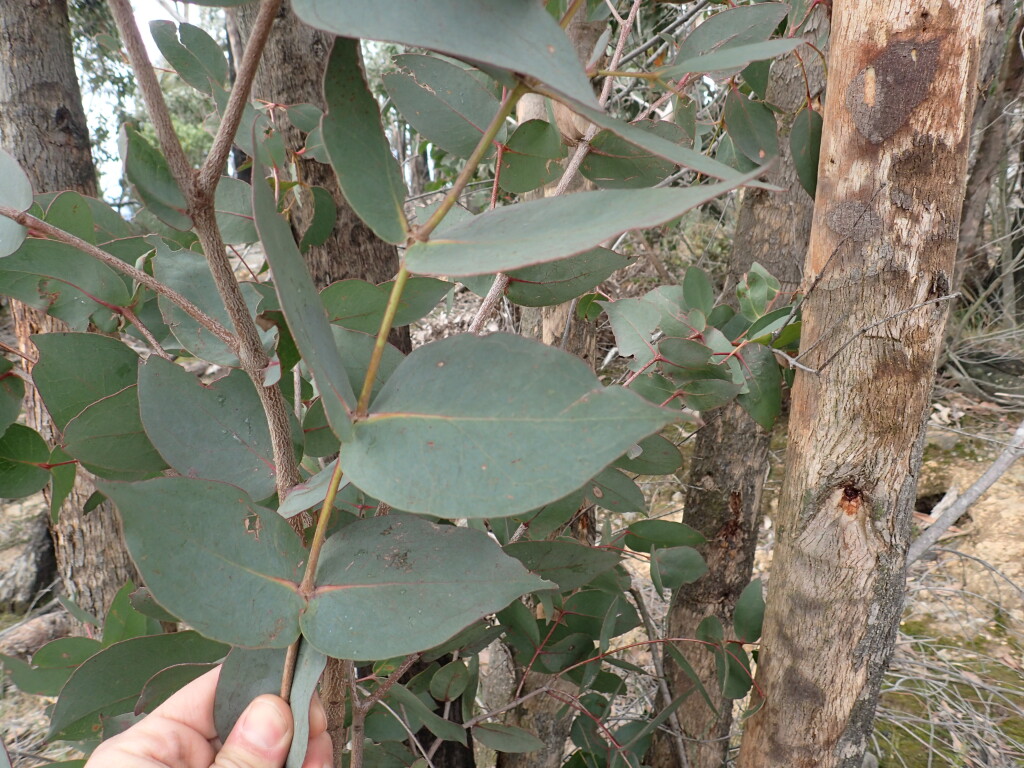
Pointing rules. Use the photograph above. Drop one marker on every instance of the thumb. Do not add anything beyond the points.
(260, 738)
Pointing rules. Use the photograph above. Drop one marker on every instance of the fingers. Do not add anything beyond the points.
(261, 737)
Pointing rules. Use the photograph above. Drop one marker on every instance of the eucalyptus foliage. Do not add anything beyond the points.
(459, 466)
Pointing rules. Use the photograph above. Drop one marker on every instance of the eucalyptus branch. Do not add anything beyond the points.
(500, 284)
(153, 96)
(55, 233)
(146, 333)
(382, 340)
(213, 166)
(382, 689)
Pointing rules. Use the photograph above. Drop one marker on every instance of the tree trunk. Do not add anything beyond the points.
(730, 460)
(883, 242)
(42, 124)
(291, 72)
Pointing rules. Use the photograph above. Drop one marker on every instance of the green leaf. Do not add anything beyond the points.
(196, 58)
(653, 455)
(319, 440)
(439, 578)
(567, 563)
(731, 28)
(108, 439)
(143, 602)
(76, 370)
(61, 281)
(506, 738)
(310, 493)
(530, 42)
(545, 285)
(633, 323)
(731, 57)
(188, 273)
(245, 674)
(147, 170)
(12, 390)
(63, 470)
(449, 681)
(704, 394)
(110, 682)
(679, 565)
(549, 229)
(805, 146)
(71, 212)
(644, 535)
(531, 157)
(360, 305)
(241, 562)
(22, 450)
(308, 668)
(233, 208)
(215, 432)
(697, 290)
(302, 308)
(749, 613)
(123, 621)
(615, 492)
(752, 127)
(416, 709)
(755, 291)
(325, 215)
(442, 101)
(490, 427)
(166, 683)
(17, 194)
(360, 153)
(615, 163)
(51, 665)
(763, 377)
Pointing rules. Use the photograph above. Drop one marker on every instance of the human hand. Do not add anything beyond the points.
(180, 734)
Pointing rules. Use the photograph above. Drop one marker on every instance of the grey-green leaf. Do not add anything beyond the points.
(16, 193)
(805, 145)
(214, 559)
(549, 229)
(491, 427)
(517, 35)
(438, 578)
(215, 432)
(360, 154)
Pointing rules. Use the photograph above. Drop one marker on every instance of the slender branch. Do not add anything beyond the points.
(55, 233)
(7, 348)
(213, 166)
(382, 341)
(389, 682)
(153, 96)
(423, 233)
(146, 333)
(1013, 451)
(659, 667)
(290, 660)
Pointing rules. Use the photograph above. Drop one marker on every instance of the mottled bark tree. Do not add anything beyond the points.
(42, 124)
(883, 244)
(722, 494)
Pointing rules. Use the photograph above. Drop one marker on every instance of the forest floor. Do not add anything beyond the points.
(954, 695)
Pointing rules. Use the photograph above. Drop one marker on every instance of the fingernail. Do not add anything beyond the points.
(264, 726)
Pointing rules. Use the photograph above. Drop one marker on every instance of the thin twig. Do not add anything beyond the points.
(1003, 462)
(382, 689)
(659, 667)
(153, 96)
(146, 333)
(55, 233)
(213, 166)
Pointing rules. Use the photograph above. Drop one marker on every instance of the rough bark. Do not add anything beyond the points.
(722, 494)
(42, 124)
(291, 72)
(883, 242)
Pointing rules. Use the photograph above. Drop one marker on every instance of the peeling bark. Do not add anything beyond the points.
(884, 237)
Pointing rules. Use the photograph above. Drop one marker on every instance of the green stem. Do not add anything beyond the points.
(382, 340)
(307, 585)
(569, 13)
(423, 233)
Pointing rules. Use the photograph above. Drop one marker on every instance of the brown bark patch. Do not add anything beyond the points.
(885, 92)
(851, 501)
